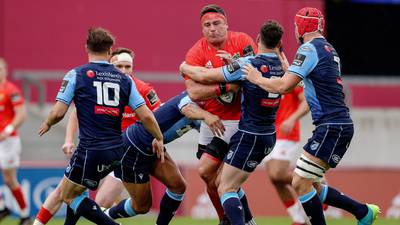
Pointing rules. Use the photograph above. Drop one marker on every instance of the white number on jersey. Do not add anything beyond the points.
(102, 93)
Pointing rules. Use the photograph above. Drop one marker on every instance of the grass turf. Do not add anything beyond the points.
(141, 220)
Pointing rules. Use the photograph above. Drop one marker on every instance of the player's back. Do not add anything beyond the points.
(259, 106)
(323, 86)
(101, 93)
(167, 115)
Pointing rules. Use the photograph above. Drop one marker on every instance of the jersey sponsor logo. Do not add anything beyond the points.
(248, 51)
(90, 73)
(264, 69)
(233, 66)
(106, 110)
(336, 158)
(299, 59)
(268, 150)
(265, 102)
(64, 85)
(152, 97)
(128, 115)
(102, 168)
(15, 97)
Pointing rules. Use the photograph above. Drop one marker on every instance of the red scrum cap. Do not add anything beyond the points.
(309, 20)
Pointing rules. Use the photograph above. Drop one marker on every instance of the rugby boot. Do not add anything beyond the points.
(373, 212)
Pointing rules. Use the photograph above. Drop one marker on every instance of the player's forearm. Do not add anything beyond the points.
(19, 117)
(301, 111)
(56, 114)
(72, 127)
(194, 112)
(201, 92)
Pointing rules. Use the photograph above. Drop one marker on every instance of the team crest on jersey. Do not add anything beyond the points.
(314, 145)
(64, 85)
(90, 73)
(299, 59)
(208, 65)
(229, 155)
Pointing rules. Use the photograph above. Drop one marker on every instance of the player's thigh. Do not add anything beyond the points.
(231, 179)
(70, 190)
(277, 169)
(109, 191)
(10, 152)
(140, 194)
(169, 174)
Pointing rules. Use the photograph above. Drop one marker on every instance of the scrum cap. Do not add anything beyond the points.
(309, 20)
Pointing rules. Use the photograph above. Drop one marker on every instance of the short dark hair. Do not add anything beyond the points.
(99, 40)
(212, 8)
(120, 50)
(271, 33)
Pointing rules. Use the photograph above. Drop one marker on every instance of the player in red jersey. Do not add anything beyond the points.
(215, 49)
(12, 114)
(287, 150)
(111, 188)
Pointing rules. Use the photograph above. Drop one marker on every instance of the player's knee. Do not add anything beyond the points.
(223, 188)
(141, 208)
(277, 177)
(206, 173)
(10, 181)
(178, 186)
(104, 201)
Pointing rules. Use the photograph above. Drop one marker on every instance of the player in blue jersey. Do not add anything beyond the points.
(100, 93)
(256, 135)
(139, 162)
(318, 65)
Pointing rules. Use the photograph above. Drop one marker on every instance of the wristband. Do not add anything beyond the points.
(9, 129)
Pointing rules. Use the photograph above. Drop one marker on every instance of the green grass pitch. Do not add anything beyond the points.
(188, 221)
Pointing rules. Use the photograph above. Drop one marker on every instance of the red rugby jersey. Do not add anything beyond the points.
(10, 96)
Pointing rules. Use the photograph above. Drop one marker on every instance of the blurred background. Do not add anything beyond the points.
(41, 40)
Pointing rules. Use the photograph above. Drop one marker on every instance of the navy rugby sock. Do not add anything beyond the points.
(339, 200)
(246, 209)
(122, 210)
(87, 208)
(71, 218)
(233, 208)
(169, 204)
(313, 207)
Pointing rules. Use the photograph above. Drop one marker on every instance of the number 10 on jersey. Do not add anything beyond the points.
(103, 97)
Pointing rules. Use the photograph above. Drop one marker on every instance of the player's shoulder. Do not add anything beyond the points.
(307, 47)
(10, 86)
(238, 35)
(199, 46)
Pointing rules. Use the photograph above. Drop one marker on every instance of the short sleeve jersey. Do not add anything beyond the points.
(289, 104)
(202, 54)
(167, 115)
(150, 97)
(258, 106)
(100, 93)
(10, 97)
(318, 64)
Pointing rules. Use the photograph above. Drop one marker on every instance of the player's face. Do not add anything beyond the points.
(215, 30)
(124, 67)
(3, 71)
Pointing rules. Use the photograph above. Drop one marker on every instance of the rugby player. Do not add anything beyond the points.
(100, 93)
(139, 162)
(318, 65)
(212, 51)
(292, 108)
(255, 137)
(13, 114)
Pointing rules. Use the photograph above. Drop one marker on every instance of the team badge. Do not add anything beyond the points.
(252, 164)
(299, 59)
(314, 145)
(90, 73)
(152, 97)
(336, 158)
(229, 155)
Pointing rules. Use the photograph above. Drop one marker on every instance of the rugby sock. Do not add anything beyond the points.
(169, 204)
(19, 197)
(71, 218)
(313, 207)
(122, 210)
(233, 208)
(87, 208)
(42, 217)
(248, 217)
(337, 199)
(295, 211)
